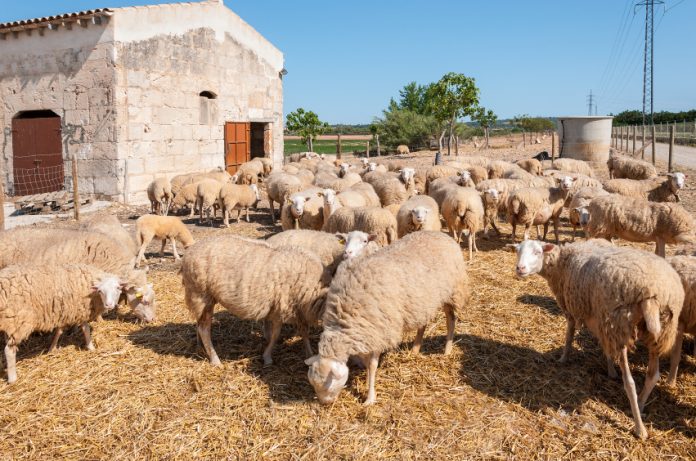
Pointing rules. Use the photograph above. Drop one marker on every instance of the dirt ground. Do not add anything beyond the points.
(148, 392)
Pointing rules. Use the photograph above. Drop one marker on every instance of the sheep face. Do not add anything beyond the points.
(491, 196)
(344, 169)
(465, 179)
(372, 166)
(355, 242)
(142, 302)
(583, 216)
(419, 215)
(327, 376)
(677, 181)
(329, 196)
(365, 162)
(530, 256)
(565, 183)
(407, 174)
(109, 290)
(297, 204)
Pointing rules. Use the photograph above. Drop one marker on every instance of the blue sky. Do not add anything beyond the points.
(541, 57)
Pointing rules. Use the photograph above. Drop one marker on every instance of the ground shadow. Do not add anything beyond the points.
(548, 303)
(538, 382)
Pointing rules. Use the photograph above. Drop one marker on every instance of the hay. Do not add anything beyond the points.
(148, 392)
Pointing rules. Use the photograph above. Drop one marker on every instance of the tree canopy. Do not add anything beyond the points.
(527, 123)
(306, 125)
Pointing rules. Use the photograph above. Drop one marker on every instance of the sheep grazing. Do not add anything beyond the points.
(47, 297)
(531, 165)
(686, 268)
(570, 165)
(660, 189)
(163, 228)
(279, 187)
(372, 220)
(186, 197)
(303, 210)
(462, 209)
(638, 220)
(538, 205)
(621, 166)
(239, 197)
(402, 149)
(159, 192)
(620, 294)
(419, 213)
(491, 203)
(577, 209)
(375, 298)
(207, 194)
(254, 281)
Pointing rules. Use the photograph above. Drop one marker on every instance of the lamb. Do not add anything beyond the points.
(279, 187)
(372, 220)
(660, 189)
(577, 209)
(111, 226)
(638, 220)
(240, 197)
(462, 209)
(538, 205)
(159, 192)
(491, 203)
(374, 299)
(402, 149)
(633, 295)
(531, 165)
(686, 268)
(570, 165)
(621, 166)
(70, 294)
(303, 210)
(235, 272)
(419, 213)
(162, 228)
(391, 190)
(207, 194)
(186, 197)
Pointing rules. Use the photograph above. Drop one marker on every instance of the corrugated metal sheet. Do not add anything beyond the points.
(37, 22)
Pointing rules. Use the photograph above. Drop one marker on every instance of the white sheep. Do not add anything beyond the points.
(303, 210)
(620, 294)
(239, 197)
(159, 192)
(402, 149)
(374, 299)
(419, 213)
(207, 194)
(462, 209)
(328, 247)
(660, 189)
(577, 209)
(186, 197)
(391, 190)
(570, 165)
(279, 187)
(686, 268)
(621, 166)
(372, 220)
(163, 228)
(491, 202)
(110, 226)
(236, 273)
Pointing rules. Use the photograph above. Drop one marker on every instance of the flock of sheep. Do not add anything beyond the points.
(362, 254)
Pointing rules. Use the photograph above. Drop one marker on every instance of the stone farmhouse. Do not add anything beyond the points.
(134, 93)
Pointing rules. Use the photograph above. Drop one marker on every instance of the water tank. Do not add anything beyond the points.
(585, 138)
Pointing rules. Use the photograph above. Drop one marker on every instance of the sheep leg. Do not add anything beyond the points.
(652, 375)
(575, 229)
(495, 228)
(538, 232)
(54, 343)
(418, 342)
(164, 242)
(556, 223)
(611, 370)
(304, 332)
(660, 247)
(87, 331)
(451, 321)
(471, 245)
(141, 254)
(527, 228)
(193, 211)
(371, 377)
(675, 357)
(177, 257)
(570, 334)
(630, 388)
(270, 205)
(454, 234)
(514, 233)
(11, 360)
(204, 324)
(275, 333)
(226, 217)
(246, 213)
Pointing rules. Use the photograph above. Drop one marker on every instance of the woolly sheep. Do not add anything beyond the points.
(357, 243)
(638, 220)
(325, 179)
(402, 149)
(327, 247)
(240, 197)
(531, 165)
(372, 166)
(112, 227)
(159, 192)
(621, 166)
(660, 189)
(462, 209)
(498, 168)
(474, 160)
(250, 172)
(395, 165)
(439, 171)
(504, 187)
(163, 228)
(187, 197)
(279, 187)
(686, 268)
(477, 173)
(341, 184)
(570, 165)
(207, 194)
(633, 295)
(490, 199)
(177, 182)
(235, 273)
(391, 190)
(362, 194)
(372, 220)
(303, 210)
(577, 209)
(374, 299)
(419, 213)
(69, 294)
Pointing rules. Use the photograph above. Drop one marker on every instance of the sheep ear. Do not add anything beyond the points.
(671, 175)
(307, 199)
(548, 247)
(341, 238)
(513, 247)
(95, 287)
(320, 194)
(310, 361)
(372, 237)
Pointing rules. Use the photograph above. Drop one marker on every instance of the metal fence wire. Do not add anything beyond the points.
(40, 180)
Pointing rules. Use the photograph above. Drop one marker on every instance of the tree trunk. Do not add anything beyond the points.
(441, 143)
(377, 141)
(487, 136)
(456, 146)
(309, 144)
(451, 133)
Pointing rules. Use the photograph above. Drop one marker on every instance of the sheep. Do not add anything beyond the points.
(621, 294)
(570, 165)
(531, 165)
(686, 268)
(238, 274)
(374, 299)
(328, 247)
(325, 179)
(391, 190)
(303, 210)
(341, 184)
(238, 196)
(660, 189)
(577, 209)
(279, 187)
(250, 172)
(371, 220)
(498, 168)
(474, 160)
(69, 294)
(357, 244)
(420, 179)
(159, 192)
(344, 169)
(186, 197)
(504, 187)
(163, 228)
(267, 165)
(372, 166)
(207, 194)
(621, 166)
(538, 205)
(402, 149)
(638, 220)
(462, 209)
(439, 171)
(177, 182)
(306, 177)
(419, 213)
(477, 173)
(362, 194)
(491, 203)
(112, 227)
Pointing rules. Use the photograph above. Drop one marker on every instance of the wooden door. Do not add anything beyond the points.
(237, 145)
(37, 152)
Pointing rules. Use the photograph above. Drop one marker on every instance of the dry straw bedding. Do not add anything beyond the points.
(148, 392)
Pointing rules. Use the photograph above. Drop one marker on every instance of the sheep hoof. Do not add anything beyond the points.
(641, 432)
(267, 361)
(215, 362)
(371, 400)
(671, 383)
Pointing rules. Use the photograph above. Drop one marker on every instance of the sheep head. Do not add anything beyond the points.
(531, 256)
(355, 242)
(327, 376)
(419, 215)
(109, 291)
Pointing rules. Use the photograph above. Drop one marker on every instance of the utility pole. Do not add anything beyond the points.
(591, 103)
(648, 58)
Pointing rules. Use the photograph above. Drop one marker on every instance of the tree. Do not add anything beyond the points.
(454, 96)
(486, 119)
(412, 97)
(306, 125)
(533, 124)
(405, 127)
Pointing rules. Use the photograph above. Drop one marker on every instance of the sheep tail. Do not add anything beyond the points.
(391, 235)
(515, 205)
(651, 315)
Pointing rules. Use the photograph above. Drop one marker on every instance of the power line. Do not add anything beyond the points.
(591, 103)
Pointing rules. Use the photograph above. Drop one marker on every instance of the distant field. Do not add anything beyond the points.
(325, 146)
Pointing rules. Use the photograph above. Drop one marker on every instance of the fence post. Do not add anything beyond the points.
(672, 129)
(367, 149)
(76, 193)
(2, 201)
(553, 146)
(338, 146)
(377, 141)
(642, 145)
(634, 139)
(524, 139)
(653, 144)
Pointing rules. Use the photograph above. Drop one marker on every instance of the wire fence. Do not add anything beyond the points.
(40, 180)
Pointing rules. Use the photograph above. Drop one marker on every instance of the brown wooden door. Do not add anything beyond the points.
(237, 145)
(37, 153)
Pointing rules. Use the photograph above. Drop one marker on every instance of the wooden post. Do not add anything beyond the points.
(672, 129)
(76, 192)
(642, 144)
(2, 201)
(553, 145)
(653, 144)
(524, 139)
(367, 149)
(633, 128)
(338, 146)
(377, 141)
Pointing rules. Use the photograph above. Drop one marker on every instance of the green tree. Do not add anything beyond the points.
(533, 124)
(486, 119)
(306, 125)
(405, 127)
(412, 97)
(453, 97)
